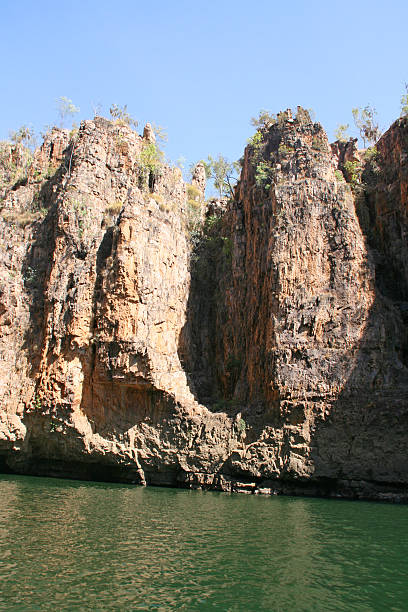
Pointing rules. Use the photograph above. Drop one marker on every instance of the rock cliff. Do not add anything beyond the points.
(257, 345)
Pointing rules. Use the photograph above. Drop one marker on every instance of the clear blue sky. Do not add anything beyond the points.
(202, 69)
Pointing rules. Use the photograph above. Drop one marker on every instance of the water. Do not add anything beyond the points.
(67, 545)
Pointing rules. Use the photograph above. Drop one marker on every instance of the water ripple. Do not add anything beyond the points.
(66, 545)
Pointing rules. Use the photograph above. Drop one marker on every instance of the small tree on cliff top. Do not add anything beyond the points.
(121, 115)
(365, 120)
(224, 173)
(340, 133)
(24, 136)
(66, 108)
(264, 120)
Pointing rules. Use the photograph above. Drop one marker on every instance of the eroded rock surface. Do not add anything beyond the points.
(266, 355)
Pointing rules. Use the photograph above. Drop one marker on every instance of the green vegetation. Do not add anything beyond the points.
(120, 115)
(362, 175)
(114, 208)
(371, 154)
(372, 168)
(366, 123)
(339, 175)
(340, 133)
(224, 173)
(212, 252)
(285, 150)
(263, 168)
(319, 144)
(193, 193)
(256, 140)
(264, 175)
(194, 208)
(241, 425)
(36, 402)
(159, 132)
(264, 120)
(305, 116)
(212, 223)
(151, 158)
(66, 108)
(16, 156)
(226, 405)
(194, 220)
(81, 209)
(353, 170)
(227, 247)
(150, 163)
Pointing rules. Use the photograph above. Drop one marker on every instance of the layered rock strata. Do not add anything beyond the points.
(264, 353)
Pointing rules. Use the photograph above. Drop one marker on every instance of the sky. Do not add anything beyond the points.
(202, 69)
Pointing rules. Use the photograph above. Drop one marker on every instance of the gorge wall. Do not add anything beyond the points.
(254, 345)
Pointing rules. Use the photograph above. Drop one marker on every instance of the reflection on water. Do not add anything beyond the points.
(66, 545)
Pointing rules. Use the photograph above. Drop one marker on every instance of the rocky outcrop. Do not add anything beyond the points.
(199, 178)
(265, 353)
(148, 134)
(345, 151)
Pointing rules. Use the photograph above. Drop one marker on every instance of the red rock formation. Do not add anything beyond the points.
(270, 358)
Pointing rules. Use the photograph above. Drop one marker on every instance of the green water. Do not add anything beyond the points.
(67, 545)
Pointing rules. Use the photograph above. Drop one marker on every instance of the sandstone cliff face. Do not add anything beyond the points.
(266, 353)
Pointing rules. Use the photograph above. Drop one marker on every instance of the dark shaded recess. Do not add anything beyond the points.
(383, 220)
(56, 468)
(318, 487)
(4, 467)
(20, 183)
(151, 181)
(365, 435)
(200, 349)
(37, 263)
(104, 251)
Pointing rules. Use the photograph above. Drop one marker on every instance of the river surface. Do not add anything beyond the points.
(68, 545)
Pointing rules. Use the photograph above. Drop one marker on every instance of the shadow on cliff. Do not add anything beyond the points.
(37, 266)
(361, 433)
(363, 436)
(211, 376)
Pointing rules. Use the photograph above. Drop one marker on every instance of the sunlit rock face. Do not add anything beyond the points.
(264, 351)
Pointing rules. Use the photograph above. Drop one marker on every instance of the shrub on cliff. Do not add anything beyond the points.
(150, 163)
(404, 102)
(15, 160)
(264, 120)
(263, 168)
(353, 171)
(264, 175)
(340, 133)
(120, 115)
(193, 193)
